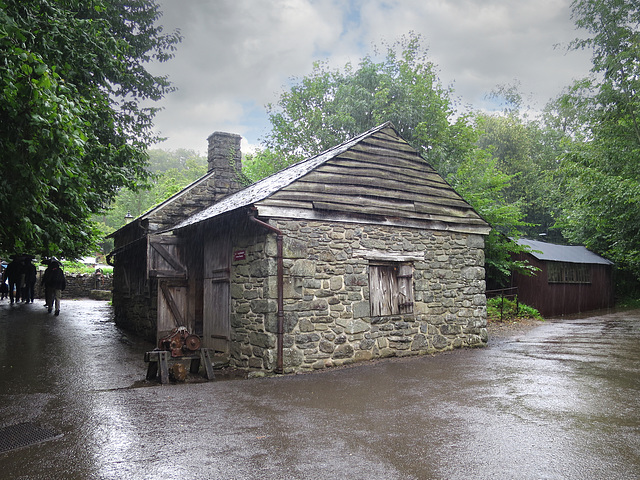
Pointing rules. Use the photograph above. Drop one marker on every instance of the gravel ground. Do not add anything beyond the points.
(509, 329)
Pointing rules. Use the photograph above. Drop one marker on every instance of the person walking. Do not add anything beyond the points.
(30, 276)
(44, 281)
(12, 274)
(54, 283)
(4, 288)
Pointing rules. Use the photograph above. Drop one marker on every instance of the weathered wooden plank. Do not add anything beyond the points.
(384, 172)
(409, 159)
(380, 173)
(167, 256)
(389, 132)
(290, 199)
(409, 168)
(341, 207)
(302, 195)
(368, 210)
(438, 208)
(165, 239)
(388, 158)
(362, 200)
(372, 190)
(384, 151)
(477, 226)
(363, 191)
(388, 140)
(171, 274)
(382, 286)
(279, 199)
(319, 176)
(171, 303)
(162, 256)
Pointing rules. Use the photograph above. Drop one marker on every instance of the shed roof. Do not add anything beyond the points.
(563, 253)
(375, 173)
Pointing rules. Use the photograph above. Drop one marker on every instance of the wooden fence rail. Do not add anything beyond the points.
(511, 292)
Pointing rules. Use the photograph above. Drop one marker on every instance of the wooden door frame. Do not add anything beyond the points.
(216, 273)
(164, 264)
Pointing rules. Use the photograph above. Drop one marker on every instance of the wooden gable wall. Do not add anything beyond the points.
(381, 176)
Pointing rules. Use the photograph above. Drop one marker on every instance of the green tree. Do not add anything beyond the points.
(527, 150)
(330, 106)
(600, 176)
(262, 163)
(480, 182)
(170, 172)
(74, 130)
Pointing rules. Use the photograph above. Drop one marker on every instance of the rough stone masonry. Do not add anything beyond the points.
(326, 295)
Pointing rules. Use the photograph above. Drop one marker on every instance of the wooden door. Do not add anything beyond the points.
(173, 306)
(216, 324)
(165, 264)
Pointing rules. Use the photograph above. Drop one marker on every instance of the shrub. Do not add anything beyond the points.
(78, 267)
(502, 309)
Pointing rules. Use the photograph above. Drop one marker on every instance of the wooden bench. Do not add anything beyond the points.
(159, 363)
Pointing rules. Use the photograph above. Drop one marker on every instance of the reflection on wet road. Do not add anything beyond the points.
(560, 401)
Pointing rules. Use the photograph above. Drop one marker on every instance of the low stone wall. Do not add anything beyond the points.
(82, 285)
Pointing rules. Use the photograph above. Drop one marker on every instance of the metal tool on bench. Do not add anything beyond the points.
(180, 342)
(179, 345)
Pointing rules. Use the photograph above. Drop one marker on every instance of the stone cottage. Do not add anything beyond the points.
(361, 252)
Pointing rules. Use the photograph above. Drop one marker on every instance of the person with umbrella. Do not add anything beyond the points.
(54, 283)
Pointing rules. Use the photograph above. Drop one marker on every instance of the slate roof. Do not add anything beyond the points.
(267, 186)
(376, 173)
(563, 253)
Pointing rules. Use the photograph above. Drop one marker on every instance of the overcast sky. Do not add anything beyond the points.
(238, 55)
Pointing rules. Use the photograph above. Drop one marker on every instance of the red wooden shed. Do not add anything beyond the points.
(571, 279)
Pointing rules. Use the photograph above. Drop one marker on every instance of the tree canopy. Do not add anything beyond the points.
(74, 127)
(170, 172)
(599, 180)
(330, 106)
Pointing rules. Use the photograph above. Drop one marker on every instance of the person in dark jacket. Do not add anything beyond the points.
(54, 283)
(30, 276)
(4, 289)
(12, 274)
(44, 282)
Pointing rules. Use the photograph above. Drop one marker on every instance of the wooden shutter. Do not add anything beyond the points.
(405, 288)
(390, 289)
(163, 257)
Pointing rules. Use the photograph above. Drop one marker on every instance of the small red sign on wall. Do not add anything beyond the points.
(240, 255)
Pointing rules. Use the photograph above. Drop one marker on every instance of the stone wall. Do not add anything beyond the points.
(138, 314)
(81, 285)
(326, 295)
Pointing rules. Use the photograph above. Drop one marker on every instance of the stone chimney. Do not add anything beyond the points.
(225, 160)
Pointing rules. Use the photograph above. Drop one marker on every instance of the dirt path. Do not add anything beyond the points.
(509, 329)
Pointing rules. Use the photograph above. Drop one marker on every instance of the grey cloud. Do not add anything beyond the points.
(238, 54)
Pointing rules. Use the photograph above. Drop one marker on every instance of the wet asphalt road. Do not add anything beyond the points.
(560, 401)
